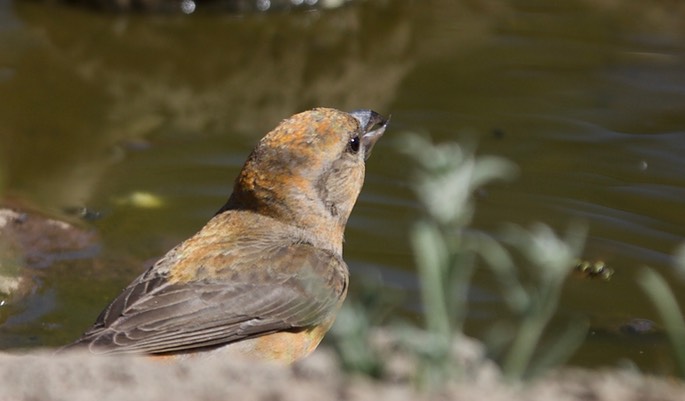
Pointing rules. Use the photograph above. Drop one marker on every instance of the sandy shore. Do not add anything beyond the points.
(44, 376)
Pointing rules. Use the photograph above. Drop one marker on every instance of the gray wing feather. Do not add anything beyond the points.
(153, 316)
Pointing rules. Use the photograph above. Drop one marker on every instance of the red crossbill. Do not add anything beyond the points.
(265, 277)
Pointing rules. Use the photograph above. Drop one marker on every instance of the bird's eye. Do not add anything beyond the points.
(353, 146)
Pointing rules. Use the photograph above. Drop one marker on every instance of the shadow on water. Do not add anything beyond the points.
(98, 110)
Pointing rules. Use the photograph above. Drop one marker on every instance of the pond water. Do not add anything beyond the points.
(587, 97)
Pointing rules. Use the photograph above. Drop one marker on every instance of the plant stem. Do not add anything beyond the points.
(661, 295)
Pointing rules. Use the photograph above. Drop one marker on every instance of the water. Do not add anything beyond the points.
(586, 97)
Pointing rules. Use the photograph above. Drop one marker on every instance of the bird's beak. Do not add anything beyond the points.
(373, 126)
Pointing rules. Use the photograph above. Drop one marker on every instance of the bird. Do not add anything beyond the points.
(264, 278)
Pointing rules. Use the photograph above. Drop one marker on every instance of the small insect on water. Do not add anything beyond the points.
(595, 269)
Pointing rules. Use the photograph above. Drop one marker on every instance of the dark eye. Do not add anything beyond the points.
(353, 146)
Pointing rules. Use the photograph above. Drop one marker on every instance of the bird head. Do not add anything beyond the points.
(309, 170)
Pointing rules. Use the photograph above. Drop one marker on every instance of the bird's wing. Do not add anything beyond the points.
(299, 287)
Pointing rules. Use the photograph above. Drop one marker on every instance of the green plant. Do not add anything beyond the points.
(534, 301)
(446, 177)
(447, 254)
(529, 264)
(354, 326)
(661, 295)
